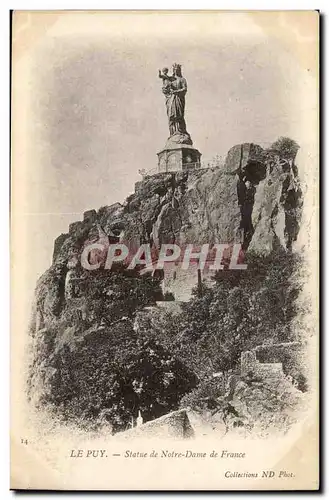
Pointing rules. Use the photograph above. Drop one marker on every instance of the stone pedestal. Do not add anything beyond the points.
(178, 157)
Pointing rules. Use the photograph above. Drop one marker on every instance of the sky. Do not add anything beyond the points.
(91, 113)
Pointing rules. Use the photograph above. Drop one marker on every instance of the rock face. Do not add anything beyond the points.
(255, 200)
(261, 406)
(259, 399)
(262, 397)
(198, 206)
(240, 155)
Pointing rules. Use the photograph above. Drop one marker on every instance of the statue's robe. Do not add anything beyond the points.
(176, 107)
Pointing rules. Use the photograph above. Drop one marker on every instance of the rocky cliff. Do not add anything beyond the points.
(255, 200)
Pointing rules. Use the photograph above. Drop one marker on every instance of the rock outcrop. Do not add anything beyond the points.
(198, 206)
(257, 399)
(255, 200)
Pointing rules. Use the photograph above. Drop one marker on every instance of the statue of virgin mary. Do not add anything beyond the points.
(174, 92)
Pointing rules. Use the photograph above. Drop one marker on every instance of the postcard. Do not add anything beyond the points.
(165, 250)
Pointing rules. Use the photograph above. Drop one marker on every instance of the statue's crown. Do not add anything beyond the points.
(176, 66)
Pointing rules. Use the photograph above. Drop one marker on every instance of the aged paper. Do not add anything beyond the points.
(164, 307)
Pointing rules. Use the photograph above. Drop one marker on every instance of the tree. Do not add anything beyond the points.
(116, 372)
(285, 147)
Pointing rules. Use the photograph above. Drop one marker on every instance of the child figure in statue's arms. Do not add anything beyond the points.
(166, 81)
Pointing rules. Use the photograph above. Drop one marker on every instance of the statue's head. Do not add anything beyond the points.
(177, 69)
(165, 71)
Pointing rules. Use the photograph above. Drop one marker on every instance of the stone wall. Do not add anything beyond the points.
(251, 365)
(173, 425)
